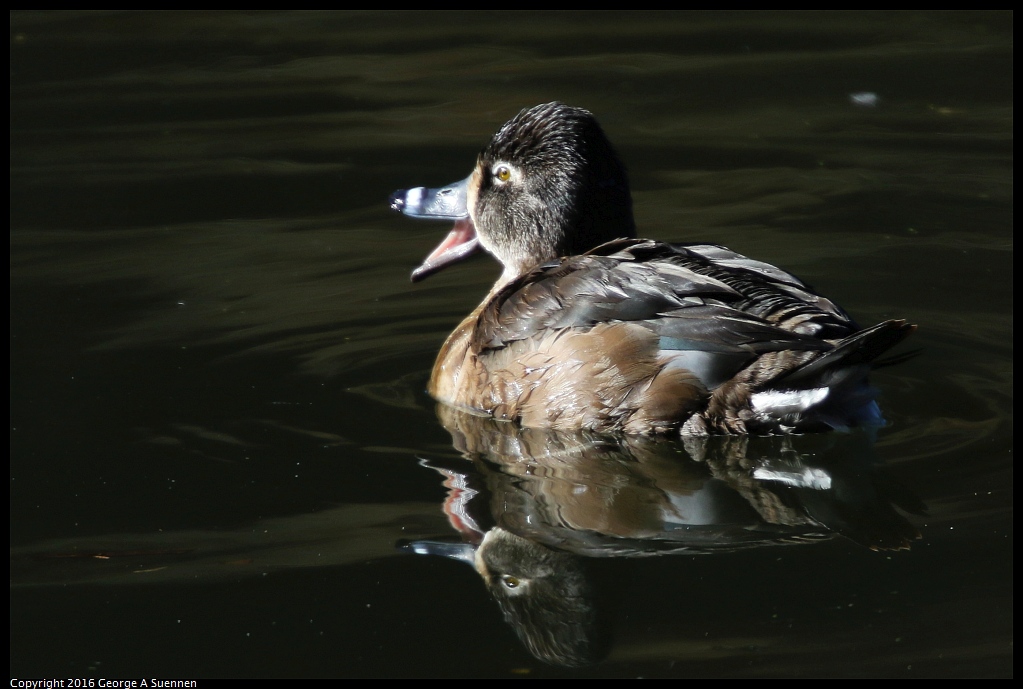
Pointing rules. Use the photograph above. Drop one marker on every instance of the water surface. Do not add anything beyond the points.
(219, 434)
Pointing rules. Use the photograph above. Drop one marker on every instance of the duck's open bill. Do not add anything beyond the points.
(445, 203)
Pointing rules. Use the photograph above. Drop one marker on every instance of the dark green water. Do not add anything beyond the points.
(218, 429)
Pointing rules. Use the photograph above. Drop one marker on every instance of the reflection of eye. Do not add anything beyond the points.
(510, 581)
(502, 173)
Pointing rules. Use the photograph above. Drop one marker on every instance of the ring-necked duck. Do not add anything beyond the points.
(590, 328)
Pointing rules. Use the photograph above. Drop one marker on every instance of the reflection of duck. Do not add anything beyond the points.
(586, 494)
(633, 335)
(547, 518)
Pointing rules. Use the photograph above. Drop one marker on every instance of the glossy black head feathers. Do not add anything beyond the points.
(551, 183)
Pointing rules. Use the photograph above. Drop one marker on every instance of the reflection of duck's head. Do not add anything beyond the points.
(548, 184)
(546, 596)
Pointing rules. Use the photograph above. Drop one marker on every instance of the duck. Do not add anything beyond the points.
(590, 327)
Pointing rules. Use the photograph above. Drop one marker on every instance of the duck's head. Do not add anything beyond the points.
(548, 184)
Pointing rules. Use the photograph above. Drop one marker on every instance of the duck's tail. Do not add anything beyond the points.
(831, 390)
(856, 351)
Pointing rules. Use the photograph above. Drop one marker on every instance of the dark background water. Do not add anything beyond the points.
(217, 360)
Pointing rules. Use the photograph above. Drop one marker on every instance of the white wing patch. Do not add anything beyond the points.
(786, 402)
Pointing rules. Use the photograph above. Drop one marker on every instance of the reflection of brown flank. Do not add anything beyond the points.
(558, 486)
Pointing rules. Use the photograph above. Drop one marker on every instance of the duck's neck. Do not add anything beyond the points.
(510, 273)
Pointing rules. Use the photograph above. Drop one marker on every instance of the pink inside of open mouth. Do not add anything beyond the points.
(460, 243)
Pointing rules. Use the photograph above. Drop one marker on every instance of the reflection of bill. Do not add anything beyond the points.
(532, 506)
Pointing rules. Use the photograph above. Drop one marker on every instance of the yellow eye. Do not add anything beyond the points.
(502, 173)
(510, 581)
